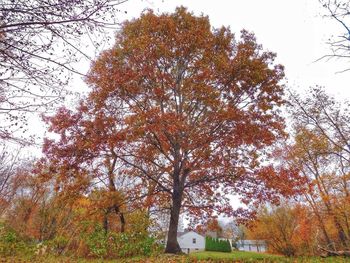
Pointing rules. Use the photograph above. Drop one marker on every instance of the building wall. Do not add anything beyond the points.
(253, 247)
(186, 242)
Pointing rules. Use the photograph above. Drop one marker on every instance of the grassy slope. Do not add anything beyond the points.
(235, 255)
(241, 256)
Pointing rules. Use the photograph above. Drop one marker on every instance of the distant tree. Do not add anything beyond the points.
(240, 232)
(28, 207)
(210, 225)
(12, 169)
(321, 153)
(324, 191)
(327, 117)
(231, 230)
(287, 228)
(339, 11)
(40, 42)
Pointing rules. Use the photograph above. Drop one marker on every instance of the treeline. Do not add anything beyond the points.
(318, 217)
(38, 220)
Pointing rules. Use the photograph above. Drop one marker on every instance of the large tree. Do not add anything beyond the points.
(190, 110)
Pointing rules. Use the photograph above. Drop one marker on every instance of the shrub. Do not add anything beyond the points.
(97, 243)
(94, 237)
(214, 244)
(12, 244)
(131, 244)
(58, 244)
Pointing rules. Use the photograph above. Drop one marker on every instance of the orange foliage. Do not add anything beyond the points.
(288, 229)
(182, 112)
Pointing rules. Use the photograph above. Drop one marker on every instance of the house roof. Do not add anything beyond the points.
(179, 234)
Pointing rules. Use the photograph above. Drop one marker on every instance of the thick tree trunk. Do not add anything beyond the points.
(122, 222)
(172, 245)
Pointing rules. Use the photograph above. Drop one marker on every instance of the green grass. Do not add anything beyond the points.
(235, 255)
(242, 256)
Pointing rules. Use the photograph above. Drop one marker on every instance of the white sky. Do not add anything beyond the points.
(294, 29)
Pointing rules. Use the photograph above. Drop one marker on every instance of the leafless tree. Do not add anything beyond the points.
(9, 165)
(339, 11)
(41, 42)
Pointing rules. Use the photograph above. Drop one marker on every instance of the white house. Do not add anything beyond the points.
(252, 245)
(190, 241)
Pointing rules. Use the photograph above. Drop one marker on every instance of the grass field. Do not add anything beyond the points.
(197, 257)
(242, 256)
(236, 255)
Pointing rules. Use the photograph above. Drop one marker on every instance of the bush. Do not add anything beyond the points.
(92, 241)
(214, 244)
(11, 244)
(97, 243)
(58, 244)
(131, 244)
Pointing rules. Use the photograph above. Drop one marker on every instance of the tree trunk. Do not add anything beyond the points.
(121, 218)
(331, 253)
(314, 207)
(323, 229)
(105, 222)
(341, 234)
(172, 245)
(112, 188)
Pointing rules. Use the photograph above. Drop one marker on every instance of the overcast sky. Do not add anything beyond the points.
(294, 29)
